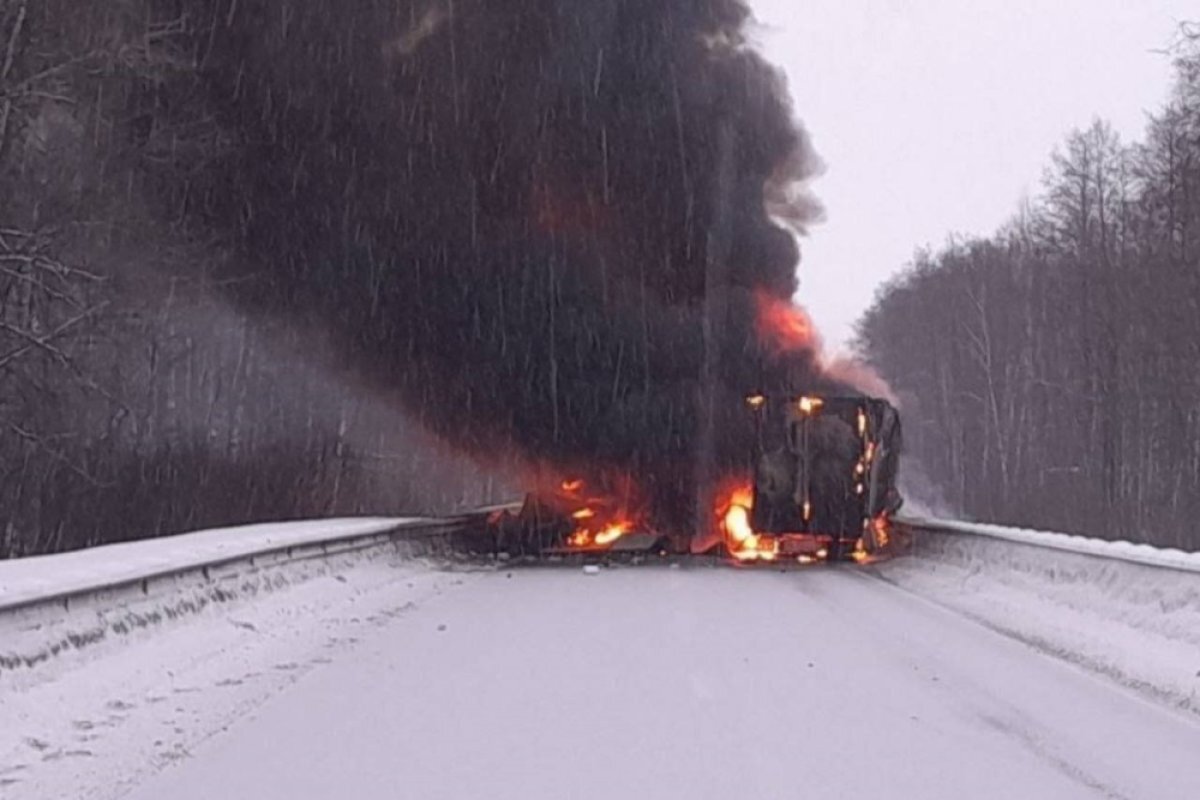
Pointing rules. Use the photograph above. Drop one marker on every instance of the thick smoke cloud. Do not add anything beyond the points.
(516, 217)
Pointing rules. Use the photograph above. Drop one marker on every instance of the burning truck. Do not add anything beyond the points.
(824, 482)
(821, 486)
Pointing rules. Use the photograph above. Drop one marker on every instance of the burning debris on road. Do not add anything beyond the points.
(822, 486)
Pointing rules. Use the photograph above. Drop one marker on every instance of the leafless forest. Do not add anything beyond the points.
(134, 400)
(1050, 374)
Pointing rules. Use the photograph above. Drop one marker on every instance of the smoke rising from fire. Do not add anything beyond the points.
(543, 226)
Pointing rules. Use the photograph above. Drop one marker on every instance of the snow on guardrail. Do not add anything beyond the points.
(29, 580)
(68, 605)
(1144, 554)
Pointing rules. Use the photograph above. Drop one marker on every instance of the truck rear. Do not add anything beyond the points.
(824, 484)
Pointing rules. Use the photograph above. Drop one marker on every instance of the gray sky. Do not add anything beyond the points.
(937, 116)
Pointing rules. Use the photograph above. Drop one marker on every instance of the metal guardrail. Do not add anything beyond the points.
(435, 536)
(432, 535)
(912, 529)
(36, 627)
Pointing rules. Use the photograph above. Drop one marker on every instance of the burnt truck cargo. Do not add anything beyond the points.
(821, 484)
(825, 473)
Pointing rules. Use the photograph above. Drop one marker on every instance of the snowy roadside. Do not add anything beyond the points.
(96, 724)
(1136, 624)
(72, 607)
(1144, 554)
(25, 579)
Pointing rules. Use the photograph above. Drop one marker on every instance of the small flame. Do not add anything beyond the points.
(587, 534)
(860, 552)
(809, 405)
(883, 530)
(599, 520)
(611, 533)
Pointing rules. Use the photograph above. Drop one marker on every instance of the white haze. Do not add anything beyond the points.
(936, 117)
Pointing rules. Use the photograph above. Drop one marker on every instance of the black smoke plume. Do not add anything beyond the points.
(539, 224)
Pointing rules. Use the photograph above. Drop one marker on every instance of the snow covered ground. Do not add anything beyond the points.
(1137, 624)
(1144, 554)
(26, 579)
(95, 724)
(70, 608)
(397, 680)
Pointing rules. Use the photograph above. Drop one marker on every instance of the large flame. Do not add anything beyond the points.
(733, 510)
(783, 326)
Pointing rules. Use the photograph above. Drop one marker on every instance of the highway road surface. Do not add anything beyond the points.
(650, 682)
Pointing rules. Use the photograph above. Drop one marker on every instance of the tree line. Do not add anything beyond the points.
(1050, 373)
(134, 400)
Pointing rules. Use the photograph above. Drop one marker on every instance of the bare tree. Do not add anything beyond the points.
(1052, 369)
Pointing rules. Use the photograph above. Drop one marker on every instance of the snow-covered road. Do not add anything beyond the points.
(695, 683)
(393, 681)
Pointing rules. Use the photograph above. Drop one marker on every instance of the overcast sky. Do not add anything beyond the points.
(937, 116)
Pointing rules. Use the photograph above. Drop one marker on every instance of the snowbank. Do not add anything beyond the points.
(1109, 607)
(127, 592)
(24, 580)
(91, 723)
(1124, 551)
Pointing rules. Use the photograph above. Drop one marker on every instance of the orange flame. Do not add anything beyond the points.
(585, 536)
(883, 530)
(743, 543)
(810, 405)
(599, 522)
(612, 533)
(782, 325)
(860, 553)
